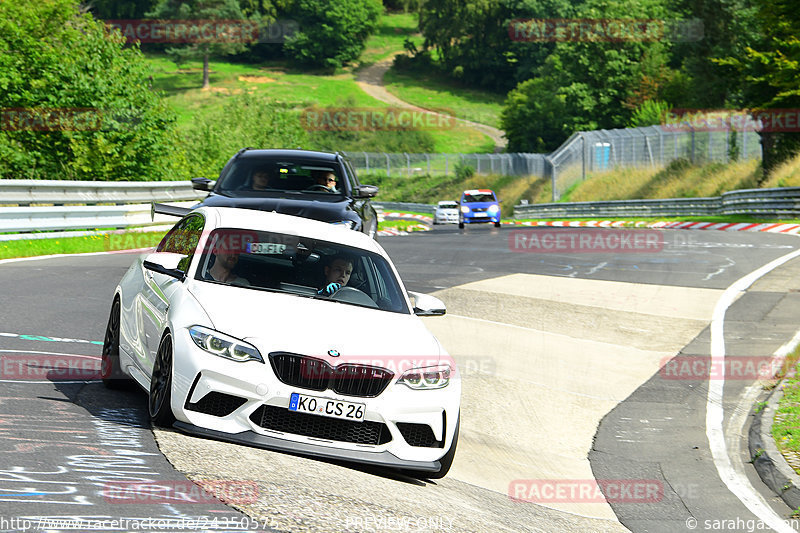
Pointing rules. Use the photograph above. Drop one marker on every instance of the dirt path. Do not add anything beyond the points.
(370, 80)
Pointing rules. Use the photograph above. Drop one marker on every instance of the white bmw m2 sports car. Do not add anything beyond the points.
(285, 333)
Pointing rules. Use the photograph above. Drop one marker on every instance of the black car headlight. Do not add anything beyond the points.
(217, 343)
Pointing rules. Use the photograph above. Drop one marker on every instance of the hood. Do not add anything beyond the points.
(480, 205)
(305, 205)
(283, 322)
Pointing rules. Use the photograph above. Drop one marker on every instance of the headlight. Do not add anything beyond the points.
(427, 378)
(349, 224)
(493, 209)
(217, 343)
(464, 209)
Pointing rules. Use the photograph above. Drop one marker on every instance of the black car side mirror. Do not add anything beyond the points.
(365, 191)
(203, 184)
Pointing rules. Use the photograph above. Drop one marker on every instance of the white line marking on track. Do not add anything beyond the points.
(736, 481)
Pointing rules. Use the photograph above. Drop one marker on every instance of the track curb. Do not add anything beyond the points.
(768, 461)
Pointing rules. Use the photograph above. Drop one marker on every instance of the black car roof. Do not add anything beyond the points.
(304, 154)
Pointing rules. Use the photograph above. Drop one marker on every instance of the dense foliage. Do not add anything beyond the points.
(203, 10)
(331, 32)
(709, 54)
(244, 120)
(75, 102)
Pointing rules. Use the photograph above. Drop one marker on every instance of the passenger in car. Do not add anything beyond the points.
(337, 273)
(225, 260)
(326, 180)
(260, 180)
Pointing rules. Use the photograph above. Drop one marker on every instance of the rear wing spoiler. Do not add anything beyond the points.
(171, 210)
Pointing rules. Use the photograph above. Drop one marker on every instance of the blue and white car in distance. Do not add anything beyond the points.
(478, 205)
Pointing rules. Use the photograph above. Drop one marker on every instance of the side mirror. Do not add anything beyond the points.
(203, 184)
(166, 263)
(365, 191)
(427, 305)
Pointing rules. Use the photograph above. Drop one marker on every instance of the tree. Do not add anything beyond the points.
(331, 32)
(770, 75)
(75, 101)
(244, 120)
(728, 27)
(533, 117)
(477, 42)
(592, 78)
(203, 13)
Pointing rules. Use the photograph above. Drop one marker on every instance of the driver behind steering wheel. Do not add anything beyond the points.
(325, 181)
(337, 273)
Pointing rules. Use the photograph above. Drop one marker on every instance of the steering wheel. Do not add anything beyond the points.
(353, 296)
(318, 187)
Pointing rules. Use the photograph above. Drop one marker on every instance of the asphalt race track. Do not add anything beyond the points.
(563, 351)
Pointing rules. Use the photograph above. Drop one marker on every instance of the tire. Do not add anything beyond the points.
(460, 224)
(497, 224)
(110, 370)
(160, 396)
(446, 461)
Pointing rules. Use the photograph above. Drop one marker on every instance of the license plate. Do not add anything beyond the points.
(265, 248)
(327, 407)
(479, 214)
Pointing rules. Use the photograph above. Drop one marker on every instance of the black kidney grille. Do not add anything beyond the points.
(419, 435)
(217, 404)
(321, 427)
(361, 380)
(316, 374)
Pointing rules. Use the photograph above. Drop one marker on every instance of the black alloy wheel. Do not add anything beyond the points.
(161, 385)
(110, 370)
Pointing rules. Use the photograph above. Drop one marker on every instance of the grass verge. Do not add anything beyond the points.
(393, 30)
(786, 425)
(116, 241)
(433, 92)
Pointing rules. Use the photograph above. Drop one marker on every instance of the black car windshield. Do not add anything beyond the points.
(479, 197)
(255, 177)
(301, 266)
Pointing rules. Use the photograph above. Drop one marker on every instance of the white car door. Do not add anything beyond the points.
(158, 290)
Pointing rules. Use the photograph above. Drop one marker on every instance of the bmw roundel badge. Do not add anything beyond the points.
(333, 353)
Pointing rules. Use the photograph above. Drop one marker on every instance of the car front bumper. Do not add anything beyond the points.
(251, 438)
(473, 219)
(251, 390)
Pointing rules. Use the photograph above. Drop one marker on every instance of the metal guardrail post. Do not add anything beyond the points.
(583, 156)
(553, 178)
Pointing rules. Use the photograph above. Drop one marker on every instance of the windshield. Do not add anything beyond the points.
(301, 266)
(254, 177)
(449, 205)
(479, 197)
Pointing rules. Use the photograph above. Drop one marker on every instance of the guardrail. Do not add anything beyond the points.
(406, 206)
(59, 192)
(24, 210)
(132, 205)
(769, 203)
